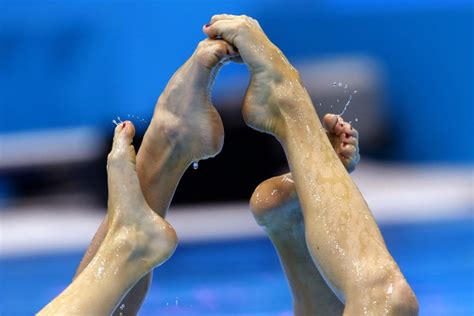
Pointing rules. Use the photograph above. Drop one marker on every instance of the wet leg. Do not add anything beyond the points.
(276, 208)
(185, 127)
(136, 241)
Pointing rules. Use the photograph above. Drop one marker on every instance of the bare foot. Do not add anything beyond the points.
(185, 126)
(184, 112)
(132, 223)
(275, 85)
(137, 240)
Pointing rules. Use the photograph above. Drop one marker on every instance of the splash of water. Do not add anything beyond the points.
(347, 105)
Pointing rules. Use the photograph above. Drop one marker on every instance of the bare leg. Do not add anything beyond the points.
(276, 208)
(137, 240)
(342, 236)
(185, 127)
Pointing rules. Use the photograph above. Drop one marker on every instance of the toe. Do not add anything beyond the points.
(349, 155)
(122, 143)
(334, 124)
(348, 139)
(330, 121)
(211, 55)
(347, 150)
(349, 130)
(218, 17)
(123, 183)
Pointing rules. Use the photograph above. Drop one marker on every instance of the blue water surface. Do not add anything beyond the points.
(244, 277)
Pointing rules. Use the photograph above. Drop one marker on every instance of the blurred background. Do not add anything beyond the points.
(68, 68)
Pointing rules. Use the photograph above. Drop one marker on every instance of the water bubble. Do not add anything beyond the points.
(339, 84)
(337, 100)
(356, 119)
(355, 91)
(345, 86)
(118, 121)
(195, 165)
(334, 83)
(176, 301)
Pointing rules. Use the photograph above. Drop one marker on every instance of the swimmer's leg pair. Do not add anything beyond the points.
(276, 208)
(341, 234)
(185, 128)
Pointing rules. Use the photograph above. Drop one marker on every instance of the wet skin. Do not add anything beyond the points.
(185, 127)
(137, 240)
(276, 208)
(341, 234)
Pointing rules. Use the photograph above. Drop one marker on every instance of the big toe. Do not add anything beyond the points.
(122, 157)
(123, 137)
(330, 121)
(211, 53)
(123, 184)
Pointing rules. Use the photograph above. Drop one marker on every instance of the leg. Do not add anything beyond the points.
(185, 127)
(275, 206)
(342, 236)
(137, 240)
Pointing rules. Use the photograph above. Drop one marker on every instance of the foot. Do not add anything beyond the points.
(276, 200)
(184, 112)
(133, 226)
(275, 85)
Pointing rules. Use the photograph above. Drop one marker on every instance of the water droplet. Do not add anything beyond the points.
(345, 86)
(346, 106)
(355, 91)
(356, 119)
(115, 122)
(195, 165)
(390, 289)
(337, 100)
(122, 307)
(340, 84)
(334, 83)
(176, 301)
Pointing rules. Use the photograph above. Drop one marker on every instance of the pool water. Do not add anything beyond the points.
(243, 277)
